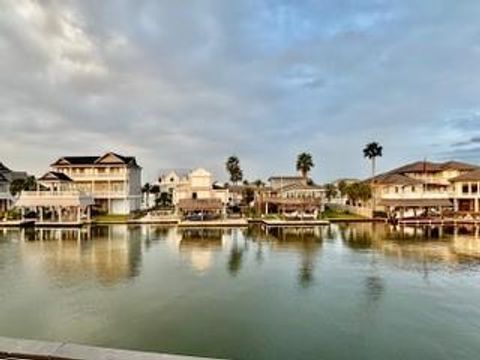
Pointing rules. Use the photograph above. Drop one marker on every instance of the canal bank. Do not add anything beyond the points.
(13, 349)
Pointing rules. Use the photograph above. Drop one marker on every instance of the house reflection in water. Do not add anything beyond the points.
(198, 246)
(306, 241)
(108, 254)
(413, 247)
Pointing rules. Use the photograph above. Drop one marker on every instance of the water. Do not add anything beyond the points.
(340, 292)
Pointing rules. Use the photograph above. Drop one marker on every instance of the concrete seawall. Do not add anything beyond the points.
(43, 350)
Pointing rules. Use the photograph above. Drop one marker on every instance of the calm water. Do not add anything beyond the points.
(341, 292)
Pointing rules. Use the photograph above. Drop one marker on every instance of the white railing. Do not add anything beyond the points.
(55, 193)
(104, 176)
(419, 195)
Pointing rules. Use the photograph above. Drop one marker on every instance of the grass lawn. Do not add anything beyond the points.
(338, 214)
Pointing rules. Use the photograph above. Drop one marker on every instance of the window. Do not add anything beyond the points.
(396, 189)
(194, 196)
(465, 189)
(413, 188)
(172, 179)
(474, 188)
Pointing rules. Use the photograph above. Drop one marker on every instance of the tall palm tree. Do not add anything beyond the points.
(234, 170)
(372, 151)
(305, 164)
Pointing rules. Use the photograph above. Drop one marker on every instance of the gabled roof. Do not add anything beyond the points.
(55, 176)
(394, 179)
(469, 176)
(285, 178)
(3, 168)
(299, 186)
(114, 158)
(418, 166)
(458, 165)
(181, 172)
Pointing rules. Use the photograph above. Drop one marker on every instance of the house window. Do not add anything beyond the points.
(172, 179)
(465, 189)
(413, 188)
(396, 189)
(194, 196)
(474, 188)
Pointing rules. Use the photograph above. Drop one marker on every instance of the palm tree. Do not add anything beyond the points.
(258, 183)
(233, 168)
(19, 185)
(305, 164)
(372, 151)
(146, 190)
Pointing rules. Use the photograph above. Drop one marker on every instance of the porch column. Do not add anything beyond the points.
(59, 209)
(40, 210)
(266, 208)
(89, 213)
(455, 205)
(23, 213)
(475, 205)
(79, 214)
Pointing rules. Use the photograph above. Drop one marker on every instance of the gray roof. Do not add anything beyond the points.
(181, 172)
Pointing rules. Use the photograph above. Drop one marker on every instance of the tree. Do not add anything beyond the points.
(305, 164)
(155, 190)
(358, 191)
(372, 151)
(233, 168)
(342, 188)
(19, 185)
(146, 190)
(259, 183)
(330, 191)
(164, 200)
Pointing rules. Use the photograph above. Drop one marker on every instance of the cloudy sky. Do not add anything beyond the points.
(187, 83)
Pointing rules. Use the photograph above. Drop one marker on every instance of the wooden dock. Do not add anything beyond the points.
(295, 223)
(13, 349)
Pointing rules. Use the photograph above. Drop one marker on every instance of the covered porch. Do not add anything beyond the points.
(403, 208)
(201, 209)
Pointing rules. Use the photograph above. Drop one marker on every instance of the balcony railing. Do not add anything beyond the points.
(419, 195)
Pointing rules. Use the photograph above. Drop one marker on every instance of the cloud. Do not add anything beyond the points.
(182, 86)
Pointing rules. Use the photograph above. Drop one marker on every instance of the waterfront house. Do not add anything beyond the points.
(466, 192)
(113, 180)
(168, 179)
(196, 193)
(419, 187)
(7, 176)
(292, 196)
(56, 200)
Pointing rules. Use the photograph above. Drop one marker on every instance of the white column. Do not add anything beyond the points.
(59, 209)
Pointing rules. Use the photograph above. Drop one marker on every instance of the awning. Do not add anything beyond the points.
(200, 204)
(416, 202)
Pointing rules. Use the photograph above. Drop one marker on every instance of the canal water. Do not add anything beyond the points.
(358, 291)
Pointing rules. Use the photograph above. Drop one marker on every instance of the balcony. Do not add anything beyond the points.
(418, 195)
(54, 198)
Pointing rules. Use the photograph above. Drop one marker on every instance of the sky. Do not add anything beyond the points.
(182, 84)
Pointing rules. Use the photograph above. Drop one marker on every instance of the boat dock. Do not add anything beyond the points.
(13, 349)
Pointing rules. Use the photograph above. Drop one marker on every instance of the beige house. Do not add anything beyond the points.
(168, 179)
(466, 192)
(196, 194)
(418, 187)
(113, 180)
(56, 200)
(293, 196)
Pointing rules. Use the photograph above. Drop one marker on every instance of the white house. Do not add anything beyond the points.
(196, 193)
(113, 180)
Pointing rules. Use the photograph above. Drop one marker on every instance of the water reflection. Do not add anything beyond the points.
(417, 246)
(109, 254)
(198, 246)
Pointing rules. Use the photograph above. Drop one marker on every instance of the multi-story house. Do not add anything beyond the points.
(466, 192)
(418, 187)
(291, 196)
(113, 180)
(170, 178)
(197, 193)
